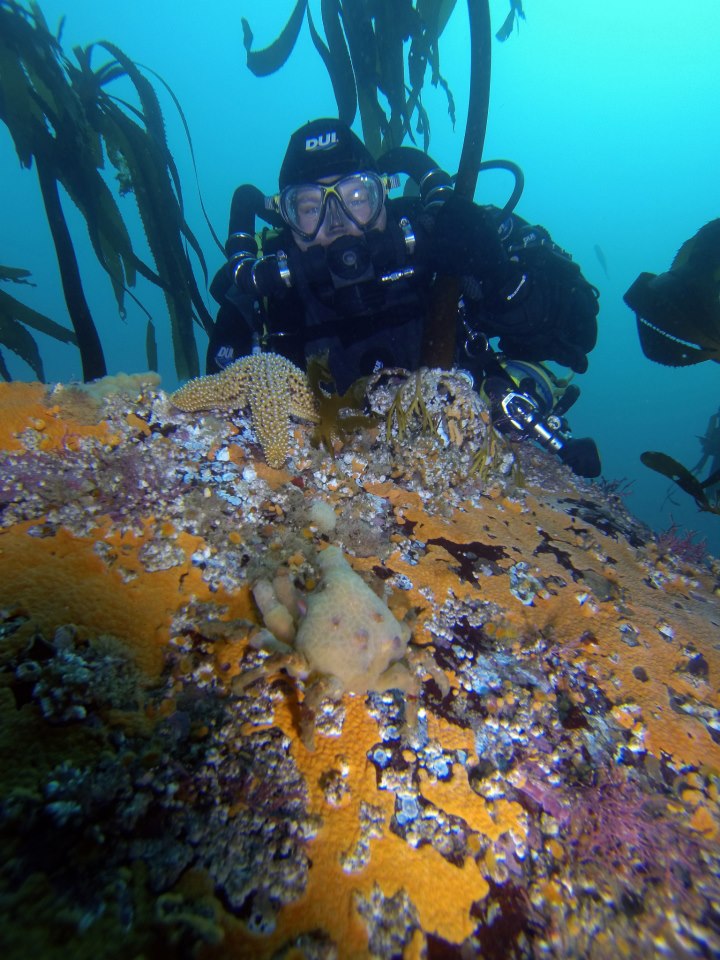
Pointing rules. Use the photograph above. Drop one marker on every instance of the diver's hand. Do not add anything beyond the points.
(582, 457)
(465, 240)
(553, 315)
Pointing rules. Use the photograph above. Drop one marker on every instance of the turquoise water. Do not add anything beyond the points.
(609, 106)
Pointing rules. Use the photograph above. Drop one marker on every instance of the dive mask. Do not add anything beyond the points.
(360, 197)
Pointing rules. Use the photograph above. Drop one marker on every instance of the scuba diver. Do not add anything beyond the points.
(348, 272)
(678, 312)
(710, 446)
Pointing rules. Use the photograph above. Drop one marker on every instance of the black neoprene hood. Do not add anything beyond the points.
(323, 148)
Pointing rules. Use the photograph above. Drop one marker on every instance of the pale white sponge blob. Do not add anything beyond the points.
(322, 516)
(348, 631)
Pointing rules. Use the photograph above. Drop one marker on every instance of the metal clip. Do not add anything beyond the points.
(283, 269)
(408, 235)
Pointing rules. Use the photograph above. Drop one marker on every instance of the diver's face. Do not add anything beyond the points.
(335, 223)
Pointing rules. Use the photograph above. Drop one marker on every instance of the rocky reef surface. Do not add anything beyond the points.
(537, 774)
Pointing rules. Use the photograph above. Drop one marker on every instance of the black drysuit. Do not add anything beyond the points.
(367, 301)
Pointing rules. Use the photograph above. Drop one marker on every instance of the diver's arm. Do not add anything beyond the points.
(285, 328)
(237, 325)
(230, 339)
(551, 313)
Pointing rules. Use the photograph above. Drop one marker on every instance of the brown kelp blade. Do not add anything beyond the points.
(393, 25)
(66, 124)
(151, 350)
(669, 467)
(336, 58)
(441, 328)
(188, 137)
(152, 176)
(10, 307)
(20, 341)
(15, 317)
(48, 124)
(268, 60)
(364, 52)
(516, 13)
(16, 275)
(362, 44)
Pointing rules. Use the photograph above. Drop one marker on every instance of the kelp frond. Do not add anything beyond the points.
(15, 317)
(63, 120)
(668, 467)
(374, 56)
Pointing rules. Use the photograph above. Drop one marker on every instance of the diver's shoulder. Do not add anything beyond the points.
(411, 207)
(274, 240)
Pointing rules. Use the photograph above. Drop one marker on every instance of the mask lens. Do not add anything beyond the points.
(360, 196)
(302, 207)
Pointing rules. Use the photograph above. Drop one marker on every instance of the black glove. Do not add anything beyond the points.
(465, 240)
(582, 457)
(555, 315)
